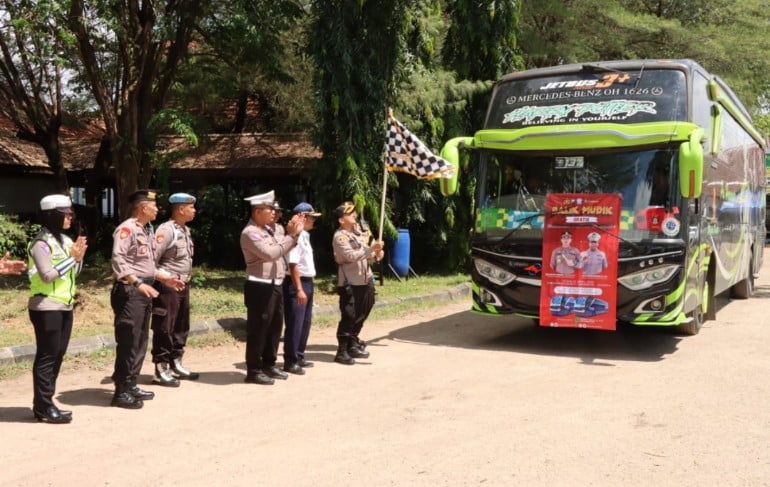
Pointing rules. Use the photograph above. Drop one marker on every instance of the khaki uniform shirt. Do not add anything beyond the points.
(174, 249)
(263, 252)
(564, 260)
(592, 261)
(352, 254)
(133, 250)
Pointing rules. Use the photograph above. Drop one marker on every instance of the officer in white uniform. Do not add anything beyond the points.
(593, 261)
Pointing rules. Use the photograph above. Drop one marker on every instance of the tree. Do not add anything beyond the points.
(356, 46)
(727, 38)
(130, 53)
(31, 68)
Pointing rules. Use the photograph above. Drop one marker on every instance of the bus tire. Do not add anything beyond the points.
(745, 288)
(695, 324)
(711, 300)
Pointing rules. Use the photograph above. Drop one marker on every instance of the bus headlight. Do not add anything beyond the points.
(648, 278)
(496, 274)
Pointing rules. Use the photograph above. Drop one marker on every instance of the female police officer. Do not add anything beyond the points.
(54, 261)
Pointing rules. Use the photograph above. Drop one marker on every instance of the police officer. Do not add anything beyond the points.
(54, 261)
(133, 266)
(565, 259)
(355, 283)
(298, 296)
(171, 308)
(263, 253)
(593, 261)
(277, 226)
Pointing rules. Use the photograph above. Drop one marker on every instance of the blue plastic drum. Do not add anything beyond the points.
(399, 253)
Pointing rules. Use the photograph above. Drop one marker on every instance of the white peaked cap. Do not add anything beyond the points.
(53, 201)
(262, 199)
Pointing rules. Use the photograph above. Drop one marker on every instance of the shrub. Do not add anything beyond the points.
(14, 235)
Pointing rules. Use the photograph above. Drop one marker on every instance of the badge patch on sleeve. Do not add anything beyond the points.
(342, 239)
(124, 232)
(256, 236)
(159, 238)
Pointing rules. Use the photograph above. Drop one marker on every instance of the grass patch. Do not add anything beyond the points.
(215, 293)
(104, 358)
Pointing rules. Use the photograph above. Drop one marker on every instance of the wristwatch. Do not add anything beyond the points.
(139, 281)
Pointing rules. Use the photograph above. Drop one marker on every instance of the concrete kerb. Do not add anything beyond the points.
(26, 353)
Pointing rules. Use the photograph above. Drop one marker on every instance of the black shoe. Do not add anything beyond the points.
(181, 372)
(127, 401)
(356, 352)
(358, 343)
(258, 378)
(305, 364)
(164, 377)
(344, 358)
(294, 369)
(275, 373)
(141, 394)
(65, 412)
(51, 414)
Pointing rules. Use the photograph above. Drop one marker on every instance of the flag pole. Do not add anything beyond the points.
(384, 184)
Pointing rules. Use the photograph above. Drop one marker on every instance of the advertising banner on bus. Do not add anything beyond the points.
(580, 260)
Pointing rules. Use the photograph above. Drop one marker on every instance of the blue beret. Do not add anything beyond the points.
(181, 198)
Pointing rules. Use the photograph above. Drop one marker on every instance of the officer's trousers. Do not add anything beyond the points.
(132, 327)
(355, 304)
(298, 320)
(170, 323)
(52, 335)
(264, 319)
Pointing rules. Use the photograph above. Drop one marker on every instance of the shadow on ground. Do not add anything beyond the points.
(519, 335)
(15, 414)
(86, 397)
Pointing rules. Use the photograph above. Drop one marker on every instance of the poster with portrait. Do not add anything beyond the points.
(580, 261)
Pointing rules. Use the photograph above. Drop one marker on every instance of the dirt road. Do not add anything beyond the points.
(447, 398)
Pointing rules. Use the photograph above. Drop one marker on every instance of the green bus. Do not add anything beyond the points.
(672, 139)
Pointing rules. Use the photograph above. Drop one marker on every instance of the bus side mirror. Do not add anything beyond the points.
(691, 165)
(451, 153)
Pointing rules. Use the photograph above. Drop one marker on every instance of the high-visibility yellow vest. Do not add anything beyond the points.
(63, 288)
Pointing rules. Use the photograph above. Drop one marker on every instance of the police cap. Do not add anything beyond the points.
(345, 208)
(141, 195)
(58, 202)
(264, 199)
(306, 209)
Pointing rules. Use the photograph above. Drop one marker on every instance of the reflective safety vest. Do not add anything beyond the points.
(61, 289)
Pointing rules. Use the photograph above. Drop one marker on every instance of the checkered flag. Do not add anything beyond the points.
(406, 153)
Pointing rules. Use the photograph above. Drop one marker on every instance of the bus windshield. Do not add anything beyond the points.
(512, 190)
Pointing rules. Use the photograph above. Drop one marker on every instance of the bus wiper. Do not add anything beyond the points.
(636, 248)
(521, 223)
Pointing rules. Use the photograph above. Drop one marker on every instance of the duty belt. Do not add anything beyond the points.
(274, 282)
(146, 280)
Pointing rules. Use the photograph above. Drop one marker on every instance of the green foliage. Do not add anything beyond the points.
(217, 227)
(356, 47)
(728, 38)
(15, 234)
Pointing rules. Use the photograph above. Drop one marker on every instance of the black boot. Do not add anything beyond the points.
(355, 350)
(124, 399)
(361, 344)
(343, 357)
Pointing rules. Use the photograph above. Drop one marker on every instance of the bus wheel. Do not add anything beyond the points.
(745, 288)
(695, 324)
